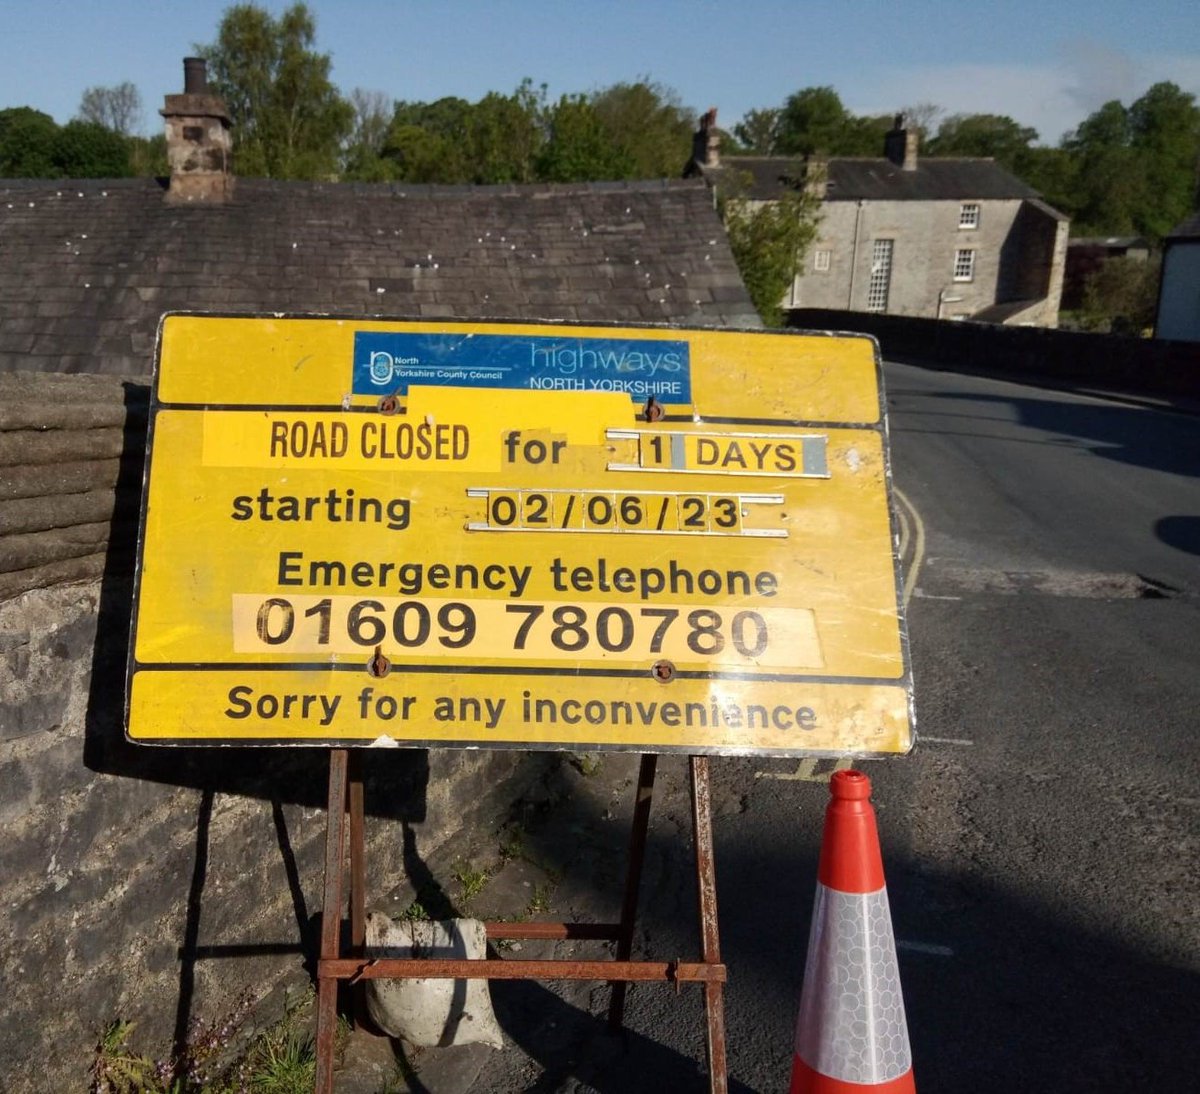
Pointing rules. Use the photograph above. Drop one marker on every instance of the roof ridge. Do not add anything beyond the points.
(466, 189)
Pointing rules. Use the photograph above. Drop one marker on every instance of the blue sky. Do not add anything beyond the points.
(1047, 63)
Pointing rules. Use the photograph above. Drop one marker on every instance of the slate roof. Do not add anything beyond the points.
(88, 267)
(852, 179)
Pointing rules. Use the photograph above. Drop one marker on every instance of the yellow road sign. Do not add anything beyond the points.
(401, 533)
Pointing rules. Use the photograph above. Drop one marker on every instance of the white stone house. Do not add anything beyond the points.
(906, 235)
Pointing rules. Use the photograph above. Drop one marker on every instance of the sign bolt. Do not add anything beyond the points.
(663, 671)
(389, 404)
(654, 410)
(379, 665)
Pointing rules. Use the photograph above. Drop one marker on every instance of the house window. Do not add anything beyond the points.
(881, 275)
(964, 264)
(968, 215)
(821, 260)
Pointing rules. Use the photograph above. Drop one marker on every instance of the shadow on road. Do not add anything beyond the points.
(1005, 996)
(1180, 532)
(1132, 435)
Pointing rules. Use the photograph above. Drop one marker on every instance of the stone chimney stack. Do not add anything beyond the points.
(900, 145)
(706, 141)
(199, 143)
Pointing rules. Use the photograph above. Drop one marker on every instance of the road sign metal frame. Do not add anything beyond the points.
(345, 822)
(345, 837)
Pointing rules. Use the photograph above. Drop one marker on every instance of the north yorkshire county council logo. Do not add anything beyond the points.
(382, 366)
(387, 362)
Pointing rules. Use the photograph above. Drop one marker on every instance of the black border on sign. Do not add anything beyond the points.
(134, 666)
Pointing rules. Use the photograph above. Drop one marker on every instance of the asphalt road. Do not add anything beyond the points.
(1040, 842)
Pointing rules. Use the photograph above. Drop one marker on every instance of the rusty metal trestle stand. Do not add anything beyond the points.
(345, 824)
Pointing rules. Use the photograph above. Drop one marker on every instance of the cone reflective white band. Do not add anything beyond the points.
(852, 1024)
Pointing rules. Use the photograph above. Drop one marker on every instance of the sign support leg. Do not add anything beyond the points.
(358, 877)
(633, 882)
(706, 881)
(331, 917)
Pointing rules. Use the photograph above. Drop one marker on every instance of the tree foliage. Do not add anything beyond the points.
(769, 241)
(814, 122)
(625, 131)
(289, 120)
(1137, 165)
(577, 145)
(33, 146)
(362, 157)
(85, 150)
(995, 136)
(1120, 296)
(117, 108)
(26, 143)
(648, 125)
(758, 131)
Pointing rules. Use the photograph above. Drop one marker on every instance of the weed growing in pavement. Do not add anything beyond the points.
(539, 903)
(470, 881)
(586, 763)
(287, 1064)
(512, 846)
(280, 1060)
(118, 1069)
(415, 910)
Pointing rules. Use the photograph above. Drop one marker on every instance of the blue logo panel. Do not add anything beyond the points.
(387, 363)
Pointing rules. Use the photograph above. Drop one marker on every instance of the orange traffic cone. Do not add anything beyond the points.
(851, 1035)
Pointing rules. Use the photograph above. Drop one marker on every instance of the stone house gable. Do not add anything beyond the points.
(903, 234)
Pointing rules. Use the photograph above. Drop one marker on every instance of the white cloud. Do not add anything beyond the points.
(1052, 98)
(1097, 74)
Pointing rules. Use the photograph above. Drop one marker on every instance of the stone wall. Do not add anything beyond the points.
(145, 883)
(925, 237)
(1102, 362)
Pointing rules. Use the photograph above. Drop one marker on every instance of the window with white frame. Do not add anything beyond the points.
(881, 275)
(968, 215)
(964, 264)
(821, 260)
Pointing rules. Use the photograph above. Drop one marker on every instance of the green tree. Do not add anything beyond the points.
(33, 146)
(427, 142)
(289, 121)
(362, 159)
(26, 143)
(769, 241)
(985, 135)
(1137, 165)
(758, 131)
(118, 108)
(648, 126)
(636, 130)
(1165, 137)
(1053, 173)
(1120, 296)
(578, 147)
(1110, 181)
(814, 122)
(85, 150)
(148, 156)
(504, 136)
